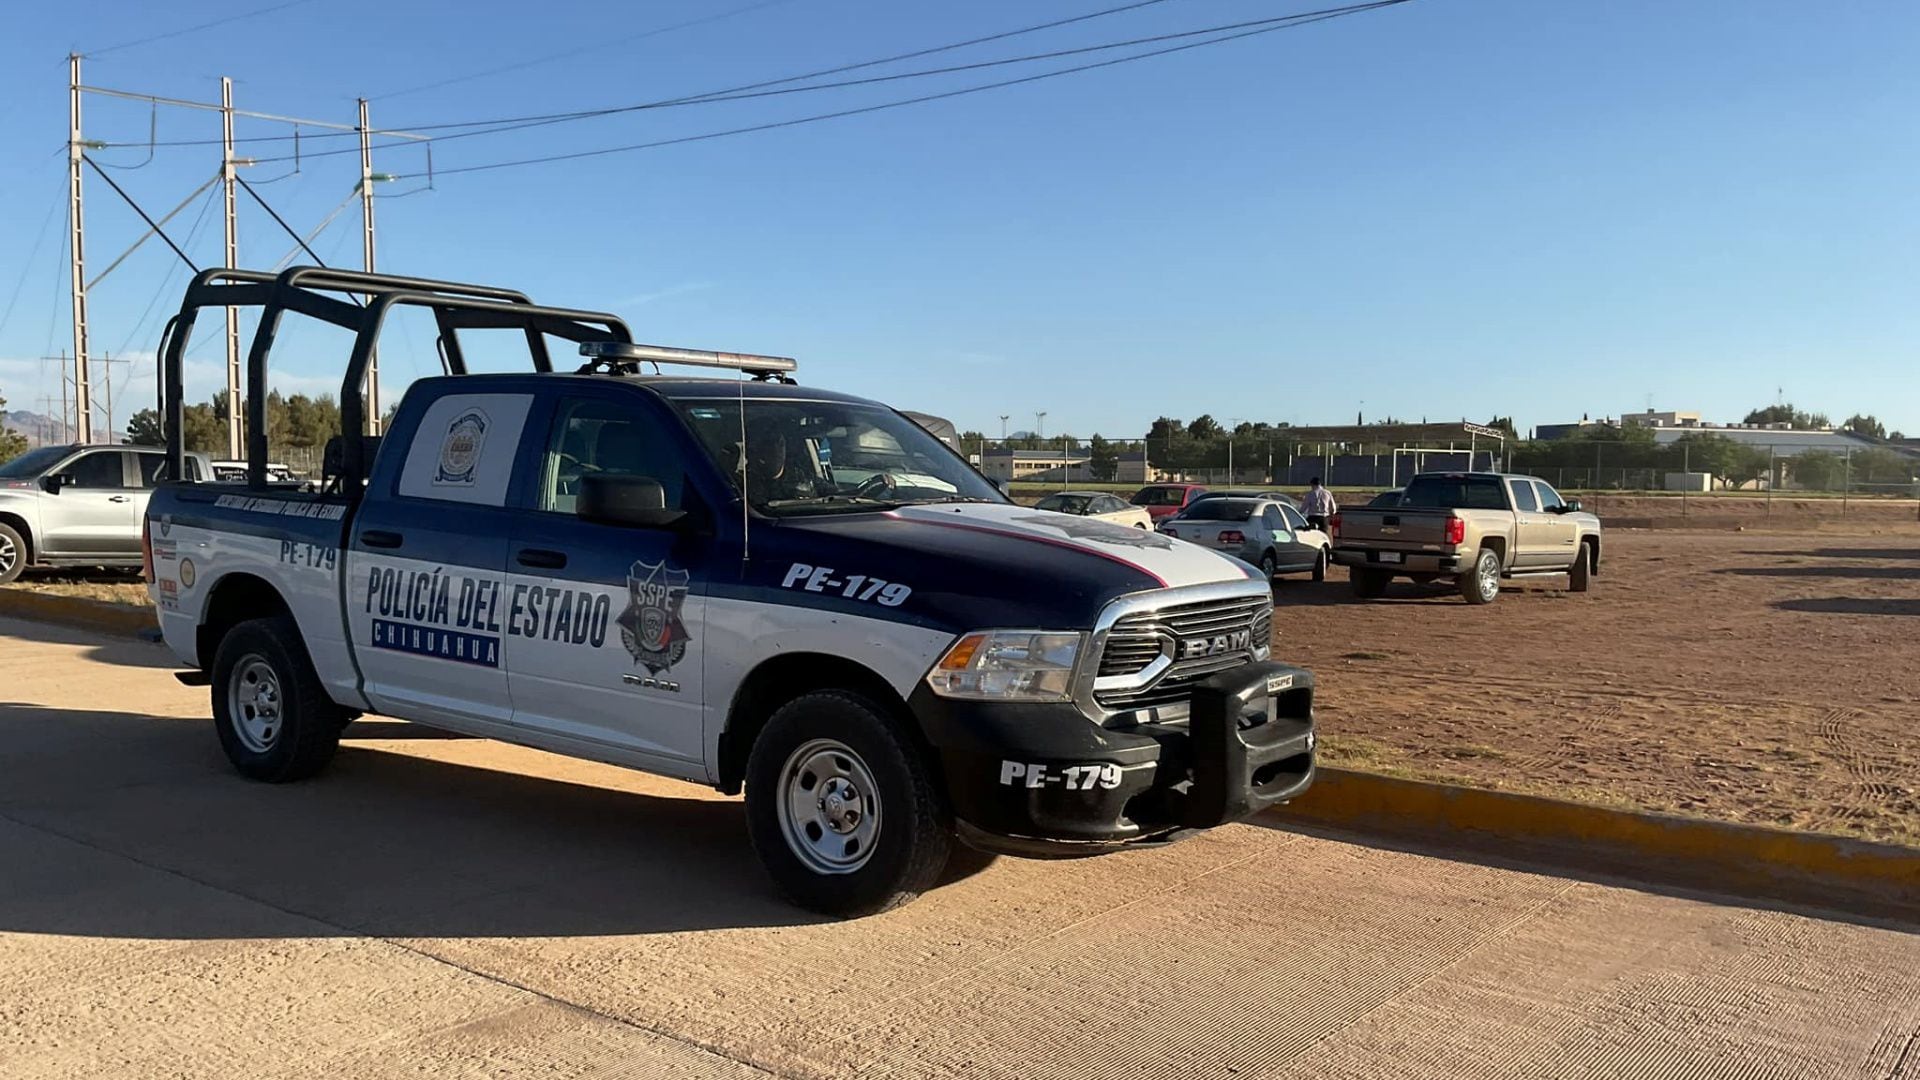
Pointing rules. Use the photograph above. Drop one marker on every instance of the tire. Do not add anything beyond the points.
(274, 719)
(1579, 575)
(13, 553)
(843, 744)
(1320, 566)
(1482, 583)
(1369, 584)
(1269, 566)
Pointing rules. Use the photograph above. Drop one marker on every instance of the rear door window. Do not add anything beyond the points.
(1524, 499)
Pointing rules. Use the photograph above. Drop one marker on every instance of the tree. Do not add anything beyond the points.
(1787, 414)
(1205, 428)
(1504, 423)
(12, 443)
(1103, 463)
(1818, 470)
(1861, 424)
(145, 429)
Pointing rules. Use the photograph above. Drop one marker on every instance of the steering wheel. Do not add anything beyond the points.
(878, 484)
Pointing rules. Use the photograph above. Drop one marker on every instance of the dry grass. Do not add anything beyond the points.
(111, 588)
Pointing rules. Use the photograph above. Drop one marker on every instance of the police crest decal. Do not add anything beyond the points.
(460, 449)
(650, 627)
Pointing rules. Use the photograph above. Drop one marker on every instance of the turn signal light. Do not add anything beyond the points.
(1456, 531)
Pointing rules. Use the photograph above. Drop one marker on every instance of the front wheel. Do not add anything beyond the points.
(1580, 573)
(275, 721)
(1482, 583)
(13, 553)
(1320, 566)
(841, 806)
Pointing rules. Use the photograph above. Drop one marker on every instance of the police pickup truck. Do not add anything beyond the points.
(735, 581)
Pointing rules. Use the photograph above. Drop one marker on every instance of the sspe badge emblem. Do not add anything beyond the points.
(460, 449)
(650, 627)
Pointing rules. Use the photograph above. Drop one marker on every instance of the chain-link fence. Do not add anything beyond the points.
(1695, 464)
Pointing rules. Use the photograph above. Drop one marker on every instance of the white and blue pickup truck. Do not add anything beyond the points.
(735, 581)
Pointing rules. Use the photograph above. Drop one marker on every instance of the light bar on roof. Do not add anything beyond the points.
(666, 354)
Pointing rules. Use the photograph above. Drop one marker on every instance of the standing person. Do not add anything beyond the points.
(1318, 506)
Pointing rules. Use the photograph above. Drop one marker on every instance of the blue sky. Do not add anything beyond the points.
(1447, 208)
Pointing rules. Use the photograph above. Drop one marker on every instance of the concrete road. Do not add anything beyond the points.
(444, 907)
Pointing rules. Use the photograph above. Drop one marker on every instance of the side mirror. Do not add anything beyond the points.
(637, 502)
(1572, 507)
(53, 482)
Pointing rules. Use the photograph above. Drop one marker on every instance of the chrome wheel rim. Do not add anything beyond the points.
(1489, 576)
(829, 807)
(254, 703)
(9, 552)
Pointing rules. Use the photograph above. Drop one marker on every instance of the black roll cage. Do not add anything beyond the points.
(303, 289)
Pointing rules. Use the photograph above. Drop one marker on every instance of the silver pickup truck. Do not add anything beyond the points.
(79, 505)
(1475, 529)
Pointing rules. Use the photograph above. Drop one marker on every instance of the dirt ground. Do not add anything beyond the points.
(1769, 677)
(112, 586)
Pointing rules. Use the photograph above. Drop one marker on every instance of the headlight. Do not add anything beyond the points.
(1008, 665)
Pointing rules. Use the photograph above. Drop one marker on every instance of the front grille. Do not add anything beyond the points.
(1139, 639)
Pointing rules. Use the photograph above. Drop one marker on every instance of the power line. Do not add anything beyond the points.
(1302, 20)
(583, 114)
(1276, 22)
(27, 266)
(565, 53)
(194, 29)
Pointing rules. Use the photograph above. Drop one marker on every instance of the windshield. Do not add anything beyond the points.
(811, 457)
(1455, 493)
(33, 462)
(1064, 504)
(1219, 510)
(1160, 496)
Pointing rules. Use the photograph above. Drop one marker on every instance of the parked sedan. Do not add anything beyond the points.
(1265, 532)
(1166, 500)
(1097, 504)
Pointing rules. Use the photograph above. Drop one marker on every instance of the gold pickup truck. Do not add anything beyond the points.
(1476, 529)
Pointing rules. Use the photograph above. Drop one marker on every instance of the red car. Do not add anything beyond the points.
(1165, 500)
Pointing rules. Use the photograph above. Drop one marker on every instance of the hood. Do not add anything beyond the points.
(978, 565)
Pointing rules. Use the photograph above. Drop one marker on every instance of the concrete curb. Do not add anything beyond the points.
(1749, 861)
(78, 612)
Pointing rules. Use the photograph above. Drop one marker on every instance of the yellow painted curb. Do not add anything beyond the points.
(77, 611)
(1752, 861)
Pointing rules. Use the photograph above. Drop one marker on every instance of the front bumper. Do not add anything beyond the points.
(1043, 780)
(1411, 562)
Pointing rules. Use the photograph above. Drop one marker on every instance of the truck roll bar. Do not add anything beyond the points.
(303, 289)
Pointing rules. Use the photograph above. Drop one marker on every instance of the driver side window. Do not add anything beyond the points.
(1294, 520)
(604, 437)
(1549, 498)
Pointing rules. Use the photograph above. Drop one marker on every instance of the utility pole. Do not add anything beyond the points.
(231, 254)
(77, 246)
(366, 260)
(107, 385)
(1003, 426)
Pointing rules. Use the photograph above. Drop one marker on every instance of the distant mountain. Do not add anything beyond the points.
(42, 430)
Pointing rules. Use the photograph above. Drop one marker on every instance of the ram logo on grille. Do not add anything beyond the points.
(1216, 644)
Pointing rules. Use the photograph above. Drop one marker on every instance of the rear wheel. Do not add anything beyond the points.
(841, 806)
(1369, 584)
(1481, 583)
(13, 553)
(1269, 566)
(1320, 566)
(1581, 571)
(275, 721)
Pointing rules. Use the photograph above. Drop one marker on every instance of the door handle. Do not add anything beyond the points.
(119, 498)
(541, 558)
(380, 538)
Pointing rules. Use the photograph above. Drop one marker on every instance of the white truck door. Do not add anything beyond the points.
(427, 560)
(604, 622)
